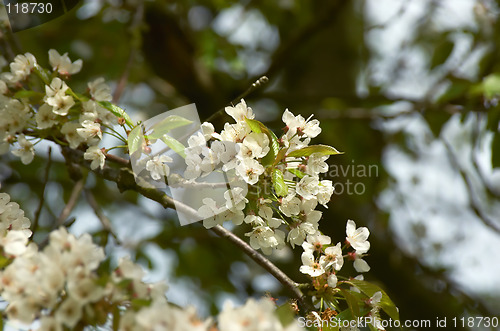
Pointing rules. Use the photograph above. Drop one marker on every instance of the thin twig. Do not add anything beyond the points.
(124, 178)
(105, 222)
(117, 159)
(289, 284)
(73, 199)
(122, 83)
(263, 80)
(473, 202)
(38, 212)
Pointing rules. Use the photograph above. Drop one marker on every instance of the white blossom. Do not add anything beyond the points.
(290, 205)
(57, 98)
(240, 111)
(157, 167)
(62, 63)
(308, 187)
(357, 238)
(332, 257)
(310, 266)
(255, 145)
(20, 68)
(316, 242)
(316, 164)
(90, 130)
(360, 265)
(45, 117)
(69, 129)
(250, 170)
(300, 126)
(95, 155)
(332, 280)
(25, 151)
(14, 243)
(99, 90)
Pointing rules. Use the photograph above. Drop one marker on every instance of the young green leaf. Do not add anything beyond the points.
(169, 123)
(307, 151)
(279, 183)
(117, 111)
(28, 94)
(352, 302)
(174, 144)
(256, 126)
(135, 139)
(259, 127)
(280, 156)
(297, 173)
(370, 289)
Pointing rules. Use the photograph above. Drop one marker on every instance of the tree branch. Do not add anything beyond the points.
(73, 199)
(124, 178)
(42, 197)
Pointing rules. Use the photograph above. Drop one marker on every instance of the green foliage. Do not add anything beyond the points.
(279, 183)
(307, 151)
(169, 123)
(370, 289)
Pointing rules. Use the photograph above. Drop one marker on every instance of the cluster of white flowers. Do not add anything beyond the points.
(321, 260)
(66, 116)
(253, 316)
(14, 227)
(62, 288)
(282, 174)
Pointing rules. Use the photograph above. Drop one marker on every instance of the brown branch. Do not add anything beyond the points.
(117, 159)
(73, 199)
(42, 197)
(124, 178)
(105, 222)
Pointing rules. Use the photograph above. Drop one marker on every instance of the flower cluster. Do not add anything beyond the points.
(63, 287)
(14, 227)
(282, 174)
(65, 284)
(321, 260)
(67, 117)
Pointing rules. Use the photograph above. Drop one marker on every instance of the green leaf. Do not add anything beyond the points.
(140, 303)
(274, 149)
(43, 74)
(493, 119)
(279, 183)
(167, 124)
(117, 111)
(280, 156)
(331, 327)
(307, 151)
(285, 314)
(370, 289)
(491, 86)
(28, 94)
(255, 125)
(457, 89)
(352, 302)
(297, 173)
(259, 127)
(174, 144)
(495, 150)
(135, 139)
(441, 53)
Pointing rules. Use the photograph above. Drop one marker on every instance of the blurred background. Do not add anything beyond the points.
(407, 89)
